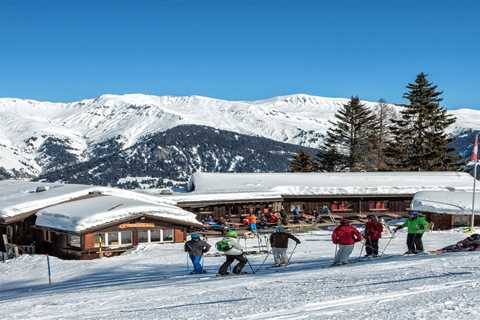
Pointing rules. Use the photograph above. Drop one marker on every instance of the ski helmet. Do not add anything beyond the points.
(413, 213)
(279, 229)
(232, 234)
(344, 221)
(195, 235)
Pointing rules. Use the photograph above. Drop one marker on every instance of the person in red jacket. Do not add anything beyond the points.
(344, 236)
(373, 233)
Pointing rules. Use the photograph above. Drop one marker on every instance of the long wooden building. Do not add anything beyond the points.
(345, 194)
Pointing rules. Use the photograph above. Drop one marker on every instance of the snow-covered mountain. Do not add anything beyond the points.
(41, 137)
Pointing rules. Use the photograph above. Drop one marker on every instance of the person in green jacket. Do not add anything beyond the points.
(416, 226)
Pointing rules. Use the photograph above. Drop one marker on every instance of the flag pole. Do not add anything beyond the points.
(473, 195)
(474, 157)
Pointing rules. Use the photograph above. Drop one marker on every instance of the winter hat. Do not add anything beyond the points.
(413, 213)
(279, 229)
(344, 221)
(195, 236)
(232, 234)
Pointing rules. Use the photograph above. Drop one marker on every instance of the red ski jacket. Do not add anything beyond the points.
(373, 230)
(346, 235)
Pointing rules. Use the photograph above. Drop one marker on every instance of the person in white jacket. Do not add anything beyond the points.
(234, 252)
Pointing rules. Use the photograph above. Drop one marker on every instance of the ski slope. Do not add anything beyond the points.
(150, 283)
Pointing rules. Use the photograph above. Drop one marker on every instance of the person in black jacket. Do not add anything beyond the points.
(196, 247)
(279, 243)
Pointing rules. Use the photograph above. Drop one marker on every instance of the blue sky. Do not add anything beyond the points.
(69, 50)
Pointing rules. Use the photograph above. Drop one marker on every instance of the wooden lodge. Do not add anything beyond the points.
(231, 196)
(83, 222)
(108, 226)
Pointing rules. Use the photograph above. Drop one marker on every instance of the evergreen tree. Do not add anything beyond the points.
(346, 146)
(420, 141)
(380, 134)
(328, 159)
(302, 162)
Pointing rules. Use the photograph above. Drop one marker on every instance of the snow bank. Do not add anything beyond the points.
(446, 202)
(80, 215)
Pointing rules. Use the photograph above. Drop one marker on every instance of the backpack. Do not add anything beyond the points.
(223, 245)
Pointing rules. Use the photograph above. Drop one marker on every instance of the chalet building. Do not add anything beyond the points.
(447, 209)
(345, 194)
(109, 225)
(27, 224)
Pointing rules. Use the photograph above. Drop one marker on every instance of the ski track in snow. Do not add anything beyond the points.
(151, 283)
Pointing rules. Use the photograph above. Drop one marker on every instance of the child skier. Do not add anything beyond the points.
(233, 251)
(252, 222)
(345, 237)
(373, 233)
(279, 243)
(416, 226)
(196, 247)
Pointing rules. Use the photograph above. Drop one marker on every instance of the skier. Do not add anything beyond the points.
(373, 233)
(233, 251)
(416, 226)
(472, 243)
(296, 214)
(345, 237)
(196, 247)
(284, 216)
(279, 243)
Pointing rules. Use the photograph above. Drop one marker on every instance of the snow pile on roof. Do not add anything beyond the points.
(225, 197)
(80, 215)
(17, 196)
(351, 183)
(446, 202)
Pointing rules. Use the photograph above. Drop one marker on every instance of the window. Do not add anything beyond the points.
(47, 236)
(143, 236)
(155, 235)
(73, 241)
(167, 235)
(125, 237)
(99, 240)
(112, 239)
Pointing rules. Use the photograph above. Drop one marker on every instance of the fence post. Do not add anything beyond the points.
(49, 270)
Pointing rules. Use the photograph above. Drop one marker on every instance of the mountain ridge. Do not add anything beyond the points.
(35, 134)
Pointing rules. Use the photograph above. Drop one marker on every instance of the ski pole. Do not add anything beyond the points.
(250, 266)
(264, 260)
(386, 246)
(291, 254)
(361, 250)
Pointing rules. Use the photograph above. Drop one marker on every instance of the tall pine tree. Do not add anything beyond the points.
(420, 141)
(346, 146)
(302, 162)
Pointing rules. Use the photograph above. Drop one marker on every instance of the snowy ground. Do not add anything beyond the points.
(150, 283)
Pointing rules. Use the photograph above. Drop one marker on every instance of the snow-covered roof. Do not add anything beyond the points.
(339, 183)
(80, 215)
(446, 202)
(225, 197)
(18, 196)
